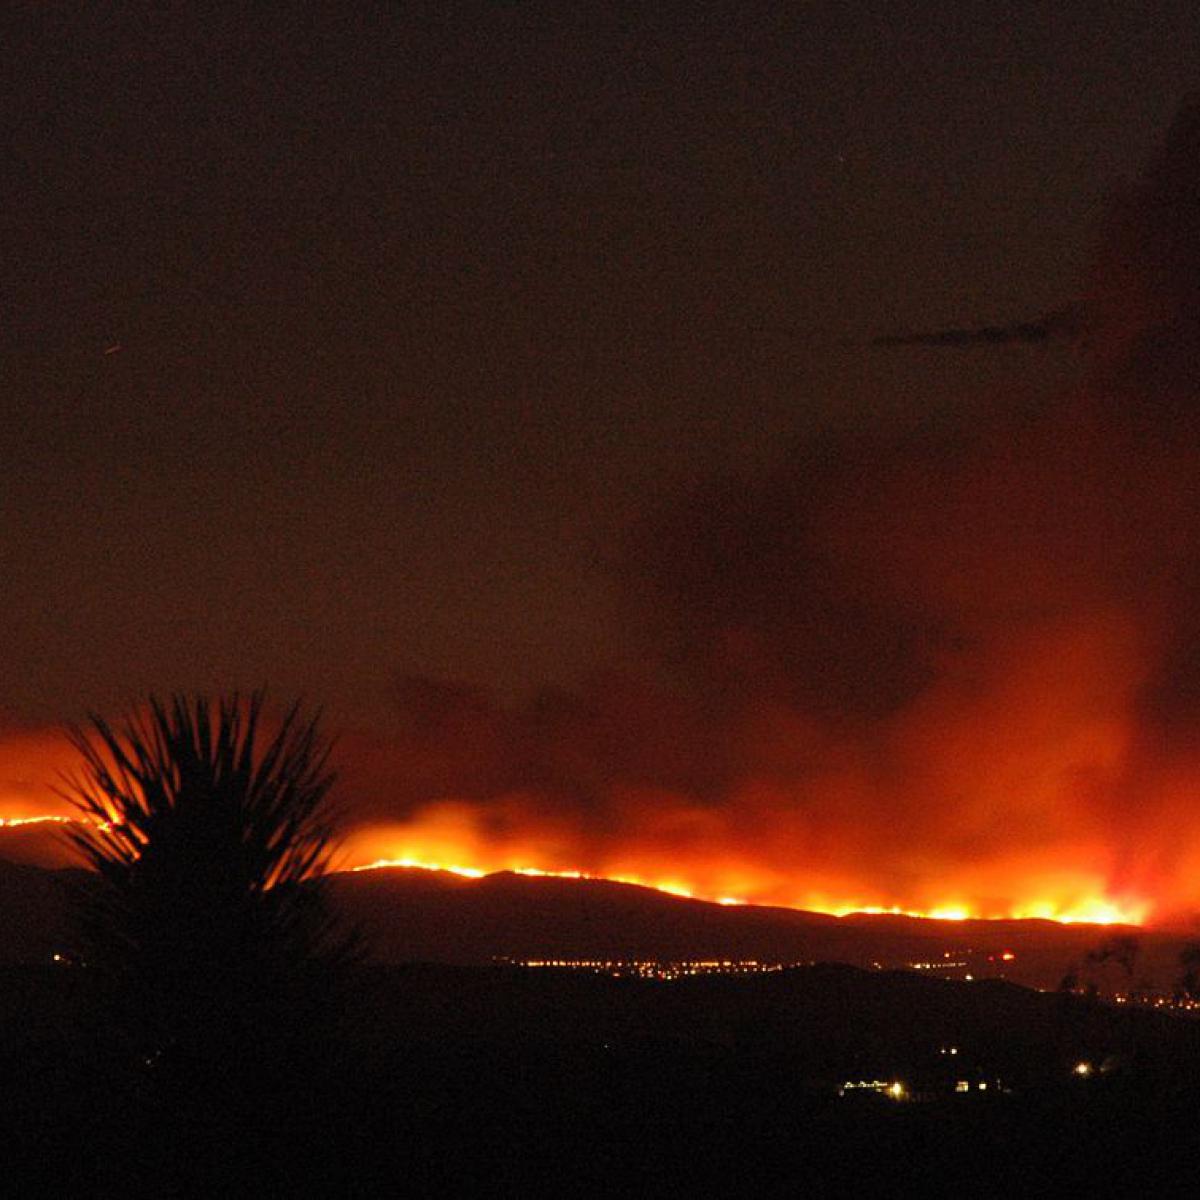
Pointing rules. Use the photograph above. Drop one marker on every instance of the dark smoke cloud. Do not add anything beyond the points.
(968, 656)
(1064, 323)
(1145, 294)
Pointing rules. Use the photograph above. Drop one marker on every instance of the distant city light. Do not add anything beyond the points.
(652, 968)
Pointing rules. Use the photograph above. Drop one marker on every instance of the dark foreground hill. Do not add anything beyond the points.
(32, 911)
(829, 1021)
(505, 1081)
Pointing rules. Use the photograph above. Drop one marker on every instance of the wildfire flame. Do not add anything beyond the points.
(445, 841)
(356, 857)
(1085, 912)
(1091, 911)
(16, 822)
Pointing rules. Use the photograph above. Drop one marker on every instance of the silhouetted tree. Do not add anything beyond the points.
(1121, 949)
(1070, 981)
(206, 924)
(1188, 984)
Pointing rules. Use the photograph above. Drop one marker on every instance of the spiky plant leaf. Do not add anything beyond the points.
(208, 839)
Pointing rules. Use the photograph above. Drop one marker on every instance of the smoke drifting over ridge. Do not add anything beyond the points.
(955, 667)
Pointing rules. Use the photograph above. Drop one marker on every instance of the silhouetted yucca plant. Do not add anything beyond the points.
(207, 921)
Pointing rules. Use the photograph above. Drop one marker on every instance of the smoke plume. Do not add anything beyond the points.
(954, 667)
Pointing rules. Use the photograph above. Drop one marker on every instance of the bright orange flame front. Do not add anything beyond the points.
(446, 838)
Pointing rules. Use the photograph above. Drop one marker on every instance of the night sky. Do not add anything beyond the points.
(500, 378)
